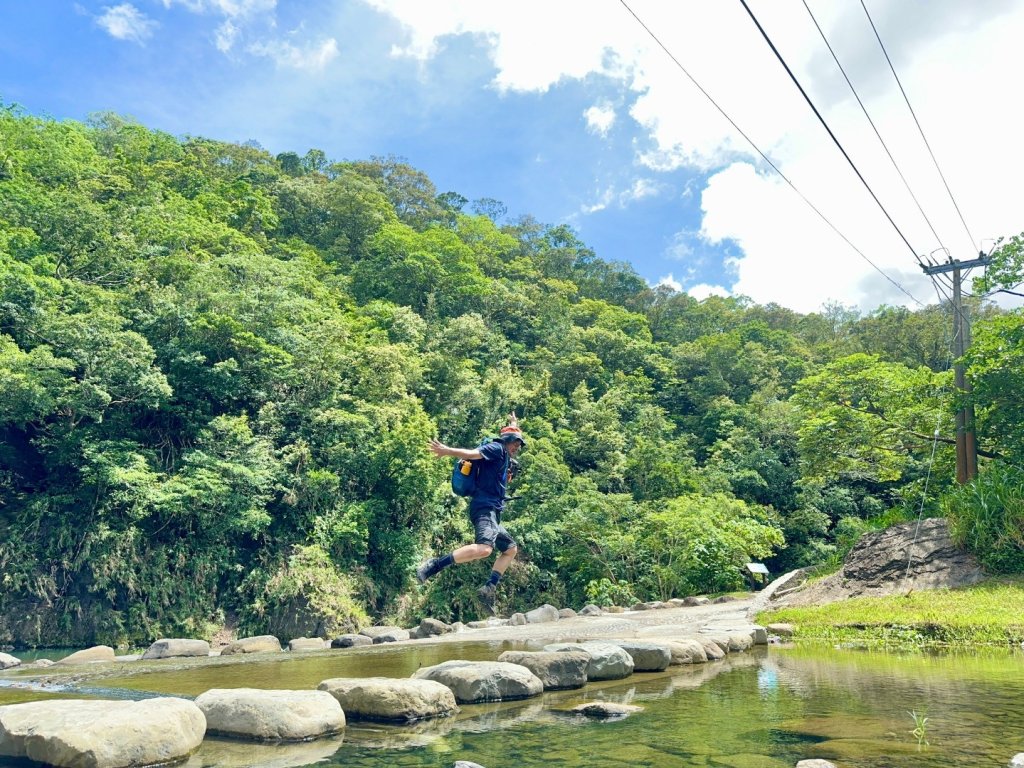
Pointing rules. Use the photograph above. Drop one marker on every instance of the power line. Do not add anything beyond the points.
(765, 157)
(873, 126)
(824, 124)
(919, 128)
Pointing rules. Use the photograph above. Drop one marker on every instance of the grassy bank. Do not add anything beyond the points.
(986, 614)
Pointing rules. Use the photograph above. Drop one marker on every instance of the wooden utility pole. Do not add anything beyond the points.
(966, 447)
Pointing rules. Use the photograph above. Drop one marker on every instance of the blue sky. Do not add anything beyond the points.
(569, 112)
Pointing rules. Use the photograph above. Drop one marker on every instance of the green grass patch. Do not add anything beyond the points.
(986, 614)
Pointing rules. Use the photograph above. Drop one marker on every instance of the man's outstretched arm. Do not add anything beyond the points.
(439, 449)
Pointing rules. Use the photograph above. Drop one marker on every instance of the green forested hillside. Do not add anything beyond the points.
(219, 370)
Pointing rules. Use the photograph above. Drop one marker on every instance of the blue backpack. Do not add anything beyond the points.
(465, 472)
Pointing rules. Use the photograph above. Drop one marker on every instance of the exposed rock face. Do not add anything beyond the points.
(555, 670)
(90, 655)
(250, 713)
(7, 661)
(475, 681)
(350, 641)
(606, 709)
(174, 647)
(101, 734)
(647, 657)
(542, 614)
(607, 661)
(257, 644)
(390, 699)
(877, 566)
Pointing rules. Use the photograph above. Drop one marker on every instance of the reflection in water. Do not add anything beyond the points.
(762, 709)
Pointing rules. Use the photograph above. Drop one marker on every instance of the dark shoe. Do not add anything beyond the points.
(488, 594)
(425, 571)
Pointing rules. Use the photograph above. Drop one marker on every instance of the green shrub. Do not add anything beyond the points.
(987, 517)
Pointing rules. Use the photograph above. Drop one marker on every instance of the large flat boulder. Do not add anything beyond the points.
(92, 655)
(390, 699)
(350, 641)
(7, 661)
(174, 647)
(686, 651)
(396, 635)
(101, 734)
(374, 632)
(271, 715)
(475, 681)
(607, 661)
(555, 670)
(307, 644)
(257, 644)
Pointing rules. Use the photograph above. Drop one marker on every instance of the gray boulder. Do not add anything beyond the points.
(542, 615)
(374, 632)
(695, 600)
(466, 764)
(686, 651)
(390, 699)
(101, 734)
(251, 713)
(90, 655)
(815, 763)
(431, 627)
(759, 635)
(350, 641)
(176, 647)
(1017, 761)
(566, 613)
(723, 599)
(638, 607)
(590, 610)
(740, 641)
(647, 657)
(517, 620)
(394, 636)
(782, 630)
(7, 661)
(713, 650)
(307, 644)
(257, 644)
(555, 670)
(475, 681)
(607, 661)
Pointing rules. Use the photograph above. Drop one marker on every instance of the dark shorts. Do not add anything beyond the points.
(489, 530)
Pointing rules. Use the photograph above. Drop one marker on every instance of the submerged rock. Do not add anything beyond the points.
(606, 709)
(271, 715)
(390, 699)
(475, 681)
(101, 734)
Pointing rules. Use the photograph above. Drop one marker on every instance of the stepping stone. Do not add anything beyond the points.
(76, 733)
(607, 661)
(476, 681)
(647, 657)
(390, 699)
(271, 715)
(176, 647)
(258, 644)
(307, 644)
(350, 641)
(555, 670)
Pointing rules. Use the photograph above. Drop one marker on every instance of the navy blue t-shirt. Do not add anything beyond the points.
(492, 477)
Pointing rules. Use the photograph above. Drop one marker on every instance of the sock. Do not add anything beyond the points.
(441, 563)
(495, 578)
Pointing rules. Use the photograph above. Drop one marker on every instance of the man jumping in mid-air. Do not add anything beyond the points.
(485, 508)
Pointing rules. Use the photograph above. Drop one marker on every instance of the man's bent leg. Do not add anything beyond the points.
(471, 552)
(505, 559)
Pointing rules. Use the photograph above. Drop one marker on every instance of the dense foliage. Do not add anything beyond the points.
(219, 370)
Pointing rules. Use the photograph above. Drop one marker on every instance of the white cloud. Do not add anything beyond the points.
(642, 188)
(669, 282)
(702, 291)
(312, 58)
(232, 9)
(126, 22)
(600, 118)
(226, 35)
(954, 65)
